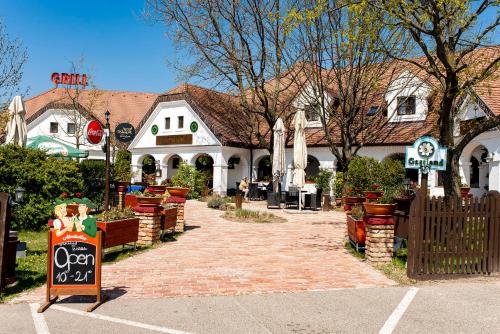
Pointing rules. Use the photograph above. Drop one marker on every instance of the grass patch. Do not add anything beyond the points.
(251, 216)
(32, 271)
(350, 248)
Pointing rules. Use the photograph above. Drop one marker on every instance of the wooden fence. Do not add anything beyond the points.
(455, 238)
(4, 236)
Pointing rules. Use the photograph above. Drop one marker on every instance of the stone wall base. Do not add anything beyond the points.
(149, 224)
(379, 239)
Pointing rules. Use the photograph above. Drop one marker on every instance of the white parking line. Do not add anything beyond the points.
(398, 312)
(118, 320)
(39, 320)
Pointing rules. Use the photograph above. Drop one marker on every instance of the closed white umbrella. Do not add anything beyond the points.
(299, 152)
(278, 152)
(16, 128)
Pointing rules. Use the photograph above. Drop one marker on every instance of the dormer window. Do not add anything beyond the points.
(372, 111)
(312, 112)
(406, 105)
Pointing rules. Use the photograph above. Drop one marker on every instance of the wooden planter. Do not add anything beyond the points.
(169, 219)
(146, 201)
(119, 232)
(375, 209)
(159, 190)
(356, 230)
(178, 191)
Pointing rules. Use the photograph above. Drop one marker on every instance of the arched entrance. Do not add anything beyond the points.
(148, 168)
(479, 169)
(205, 164)
(173, 165)
(264, 169)
(312, 168)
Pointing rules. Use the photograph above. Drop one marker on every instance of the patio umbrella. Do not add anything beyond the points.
(278, 152)
(55, 147)
(16, 128)
(299, 152)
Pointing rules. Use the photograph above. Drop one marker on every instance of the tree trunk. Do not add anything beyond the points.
(451, 176)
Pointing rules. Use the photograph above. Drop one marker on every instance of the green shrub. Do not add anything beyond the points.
(44, 179)
(339, 184)
(216, 202)
(122, 166)
(94, 180)
(392, 174)
(362, 173)
(116, 214)
(187, 176)
(323, 180)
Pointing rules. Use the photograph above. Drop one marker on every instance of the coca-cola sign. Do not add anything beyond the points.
(94, 132)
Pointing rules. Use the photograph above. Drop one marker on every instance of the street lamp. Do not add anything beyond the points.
(19, 195)
(107, 114)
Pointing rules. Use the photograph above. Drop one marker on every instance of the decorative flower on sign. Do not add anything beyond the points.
(426, 149)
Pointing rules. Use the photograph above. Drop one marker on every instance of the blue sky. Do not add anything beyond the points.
(121, 49)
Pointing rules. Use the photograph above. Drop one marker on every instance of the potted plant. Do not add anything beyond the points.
(149, 198)
(464, 190)
(188, 182)
(356, 228)
(118, 226)
(403, 201)
(323, 181)
(384, 206)
(362, 172)
(122, 173)
(374, 193)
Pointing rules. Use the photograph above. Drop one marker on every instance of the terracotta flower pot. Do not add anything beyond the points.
(178, 191)
(349, 201)
(375, 209)
(149, 201)
(121, 186)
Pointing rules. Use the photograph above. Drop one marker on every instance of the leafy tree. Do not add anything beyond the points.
(362, 173)
(122, 166)
(452, 36)
(93, 177)
(187, 176)
(44, 179)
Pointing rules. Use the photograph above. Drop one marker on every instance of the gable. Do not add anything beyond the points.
(173, 110)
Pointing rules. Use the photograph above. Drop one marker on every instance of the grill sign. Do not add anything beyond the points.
(94, 132)
(72, 79)
(124, 132)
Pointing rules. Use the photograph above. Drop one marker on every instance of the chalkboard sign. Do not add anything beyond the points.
(124, 132)
(74, 266)
(74, 263)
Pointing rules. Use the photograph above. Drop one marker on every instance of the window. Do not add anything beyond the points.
(167, 123)
(175, 163)
(54, 127)
(406, 105)
(372, 111)
(180, 122)
(312, 112)
(71, 129)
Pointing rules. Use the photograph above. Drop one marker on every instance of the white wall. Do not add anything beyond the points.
(407, 84)
(41, 127)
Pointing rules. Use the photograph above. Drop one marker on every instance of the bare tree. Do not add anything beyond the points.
(13, 56)
(349, 74)
(242, 46)
(453, 37)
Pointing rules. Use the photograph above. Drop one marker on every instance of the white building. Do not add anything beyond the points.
(208, 129)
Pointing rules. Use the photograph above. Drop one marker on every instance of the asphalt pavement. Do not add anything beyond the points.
(433, 308)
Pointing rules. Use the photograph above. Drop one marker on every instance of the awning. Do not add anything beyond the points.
(56, 148)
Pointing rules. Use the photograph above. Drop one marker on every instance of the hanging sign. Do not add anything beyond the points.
(124, 132)
(94, 132)
(74, 266)
(154, 129)
(426, 154)
(193, 126)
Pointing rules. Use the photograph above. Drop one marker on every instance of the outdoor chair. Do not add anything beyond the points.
(292, 197)
(313, 201)
(253, 192)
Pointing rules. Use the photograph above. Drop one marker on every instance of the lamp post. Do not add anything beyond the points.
(106, 195)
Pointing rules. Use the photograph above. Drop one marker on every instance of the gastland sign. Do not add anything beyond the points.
(425, 154)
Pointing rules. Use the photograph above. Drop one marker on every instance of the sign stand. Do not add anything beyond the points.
(56, 285)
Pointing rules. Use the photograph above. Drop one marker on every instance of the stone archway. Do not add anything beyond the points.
(312, 168)
(148, 168)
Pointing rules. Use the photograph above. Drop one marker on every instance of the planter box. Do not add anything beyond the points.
(119, 232)
(130, 201)
(356, 229)
(168, 219)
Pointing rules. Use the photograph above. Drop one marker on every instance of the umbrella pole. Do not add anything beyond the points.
(300, 199)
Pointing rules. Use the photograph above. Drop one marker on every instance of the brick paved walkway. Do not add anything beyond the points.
(219, 257)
